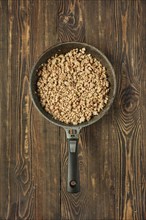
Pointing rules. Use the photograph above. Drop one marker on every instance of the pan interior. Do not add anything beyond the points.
(62, 49)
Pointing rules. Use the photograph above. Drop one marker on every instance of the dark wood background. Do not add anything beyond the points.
(33, 152)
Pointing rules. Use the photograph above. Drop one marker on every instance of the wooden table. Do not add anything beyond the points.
(34, 153)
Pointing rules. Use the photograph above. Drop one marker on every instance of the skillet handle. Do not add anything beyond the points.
(73, 185)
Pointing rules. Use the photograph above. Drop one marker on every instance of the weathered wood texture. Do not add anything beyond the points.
(33, 152)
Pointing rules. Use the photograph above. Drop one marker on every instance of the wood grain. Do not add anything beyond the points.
(70, 20)
(45, 135)
(4, 116)
(34, 153)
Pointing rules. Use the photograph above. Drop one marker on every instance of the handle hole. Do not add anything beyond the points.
(73, 183)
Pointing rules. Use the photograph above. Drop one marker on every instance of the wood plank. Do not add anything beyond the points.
(45, 138)
(71, 28)
(101, 161)
(4, 111)
(21, 185)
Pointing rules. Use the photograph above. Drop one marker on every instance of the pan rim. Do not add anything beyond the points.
(103, 112)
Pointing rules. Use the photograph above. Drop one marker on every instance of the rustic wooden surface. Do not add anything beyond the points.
(33, 152)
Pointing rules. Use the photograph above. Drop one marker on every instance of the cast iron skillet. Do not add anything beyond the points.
(72, 131)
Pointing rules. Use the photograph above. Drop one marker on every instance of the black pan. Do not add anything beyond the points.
(72, 131)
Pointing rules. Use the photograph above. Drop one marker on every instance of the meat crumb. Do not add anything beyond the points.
(73, 87)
